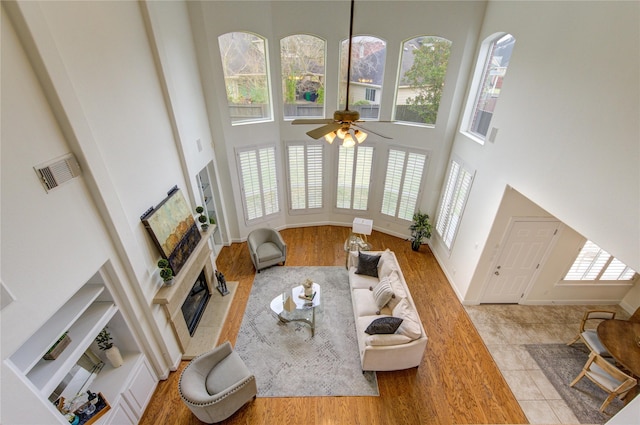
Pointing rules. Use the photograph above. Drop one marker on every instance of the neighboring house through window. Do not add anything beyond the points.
(259, 181)
(423, 68)
(456, 192)
(244, 64)
(403, 180)
(495, 55)
(368, 56)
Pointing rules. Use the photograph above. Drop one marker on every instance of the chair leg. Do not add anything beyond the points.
(579, 377)
(606, 402)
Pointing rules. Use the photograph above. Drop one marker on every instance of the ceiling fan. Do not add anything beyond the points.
(345, 124)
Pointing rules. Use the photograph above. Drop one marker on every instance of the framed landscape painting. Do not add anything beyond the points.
(173, 229)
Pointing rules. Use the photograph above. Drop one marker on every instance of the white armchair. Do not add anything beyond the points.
(217, 384)
(267, 248)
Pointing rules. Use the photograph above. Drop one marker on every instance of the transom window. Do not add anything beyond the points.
(405, 170)
(244, 64)
(488, 81)
(354, 177)
(367, 71)
(304, 166)
(302, 58)
(423, 67)
(456, 192)
(259, 181)
(594, 263)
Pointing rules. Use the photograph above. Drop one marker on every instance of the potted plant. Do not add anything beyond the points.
(165, 272)
(204, 221)
(420, 229)
(111, 351)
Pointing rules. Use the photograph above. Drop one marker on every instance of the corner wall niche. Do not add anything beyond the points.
(172, 297)
(81, 365)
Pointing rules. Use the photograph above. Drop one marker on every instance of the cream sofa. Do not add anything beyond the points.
(402, 349)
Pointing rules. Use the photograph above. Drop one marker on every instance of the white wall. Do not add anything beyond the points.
(568, 133)
(456, 21)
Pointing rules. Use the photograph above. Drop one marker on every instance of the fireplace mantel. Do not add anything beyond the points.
(172, 297)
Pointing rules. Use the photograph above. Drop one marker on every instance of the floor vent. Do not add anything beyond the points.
(58, 171)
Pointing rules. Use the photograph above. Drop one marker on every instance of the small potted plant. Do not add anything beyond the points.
(111, 351)
(204, 221)
(165, 272)
(420, 230)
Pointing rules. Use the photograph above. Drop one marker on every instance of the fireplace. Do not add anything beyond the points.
(195, 303)
(199, 269)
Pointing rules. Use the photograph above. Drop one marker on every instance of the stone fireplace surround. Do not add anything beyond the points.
(172, 297)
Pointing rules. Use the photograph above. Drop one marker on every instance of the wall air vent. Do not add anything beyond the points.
(55, 172)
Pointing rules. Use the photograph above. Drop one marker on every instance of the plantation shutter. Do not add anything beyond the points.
(453, 201)
(402, 183)
(305, 176)
(354, 177)
(258, 176)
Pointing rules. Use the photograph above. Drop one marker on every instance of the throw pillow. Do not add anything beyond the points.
(411, 323)
(383, 325)
(368, 264)
(382, 293)
(387, 264)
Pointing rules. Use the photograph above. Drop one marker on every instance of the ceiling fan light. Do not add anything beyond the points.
(342, 132)
(348, 141)
(360, 136)
(329, 137)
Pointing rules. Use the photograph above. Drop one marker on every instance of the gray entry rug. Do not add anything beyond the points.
(286, 360)
(561, 364)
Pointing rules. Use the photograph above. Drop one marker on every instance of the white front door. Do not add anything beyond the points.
(522, 250)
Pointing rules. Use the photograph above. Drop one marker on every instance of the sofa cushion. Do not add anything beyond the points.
(368, 264)
(383, 325)
(225, 374)
(398, 288)
(386, 339)
(361, 281)
(387, 264)
(382, 292)
(365, 304)
(410, 325)
(268, 251)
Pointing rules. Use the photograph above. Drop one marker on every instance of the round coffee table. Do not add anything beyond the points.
(299, 309)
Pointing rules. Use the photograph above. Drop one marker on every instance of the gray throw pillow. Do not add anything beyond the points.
(383, 325)
(368, 265)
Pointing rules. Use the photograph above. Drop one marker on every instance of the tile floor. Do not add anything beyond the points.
(505, 328)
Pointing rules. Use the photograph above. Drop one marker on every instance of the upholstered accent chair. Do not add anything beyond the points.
(608, 377)
(587, 332)
(217, 384)
(267, 248)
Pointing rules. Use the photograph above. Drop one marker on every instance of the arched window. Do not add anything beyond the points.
(302, 58)
(244, 64)
(367, 71)
(492, 66)
(423, 67)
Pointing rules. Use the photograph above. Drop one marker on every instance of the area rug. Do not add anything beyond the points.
(286, 360)
(561, 364)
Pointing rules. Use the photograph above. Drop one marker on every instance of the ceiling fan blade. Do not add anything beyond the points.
(370, 131)
(325, 129)
(312, 121)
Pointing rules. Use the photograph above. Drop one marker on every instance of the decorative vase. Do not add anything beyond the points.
(114, 356)
(168, 282)
(415, 245)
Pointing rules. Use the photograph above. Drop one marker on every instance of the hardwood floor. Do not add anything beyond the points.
(457, 383)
